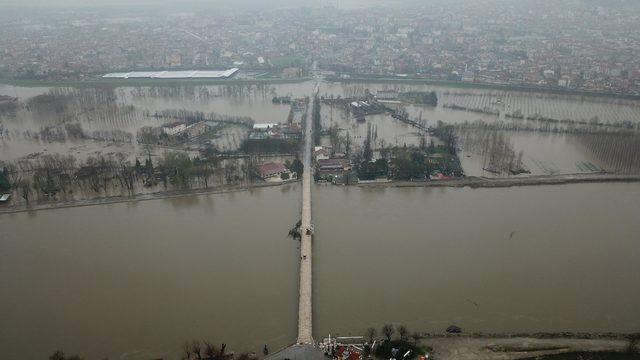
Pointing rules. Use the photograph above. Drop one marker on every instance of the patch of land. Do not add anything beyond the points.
(483, 182)
(507, 348)
(7, 209)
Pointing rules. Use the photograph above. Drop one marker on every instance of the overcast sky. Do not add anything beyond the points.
(186, 3)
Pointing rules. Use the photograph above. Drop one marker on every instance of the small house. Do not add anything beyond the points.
(174, 128)
(273, 171)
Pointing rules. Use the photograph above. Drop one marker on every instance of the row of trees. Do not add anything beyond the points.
(389, 330)
(340, 143)
(192, 117)
(206, 350)
(68, 131)
(620, 152)
(495, 147)
(203, 93)
(48, 176)
(546, 127)
(60, 100)
(191, 350)
(394, 347)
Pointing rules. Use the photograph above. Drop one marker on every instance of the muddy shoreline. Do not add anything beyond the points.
(523, 346)
(135, 198)
(482, 182)
(471, 182)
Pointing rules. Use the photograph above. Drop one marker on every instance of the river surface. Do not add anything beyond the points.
(134, 281)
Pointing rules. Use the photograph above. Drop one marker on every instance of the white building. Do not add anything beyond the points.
(264, 126)
(174, 128)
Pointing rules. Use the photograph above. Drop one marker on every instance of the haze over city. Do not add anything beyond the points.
(331, 179)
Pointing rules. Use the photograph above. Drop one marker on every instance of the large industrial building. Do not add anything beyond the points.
(190, 74)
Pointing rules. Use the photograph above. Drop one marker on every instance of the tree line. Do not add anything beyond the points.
(192, 117)
(495, 147)
(619, 151)
(53, 175)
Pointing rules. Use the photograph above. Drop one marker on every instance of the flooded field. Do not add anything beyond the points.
(543, 154)
(133, 281)
(30, 132)
(557, 106)
(133, 106)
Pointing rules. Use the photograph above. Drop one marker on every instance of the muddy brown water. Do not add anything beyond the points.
(133, 281)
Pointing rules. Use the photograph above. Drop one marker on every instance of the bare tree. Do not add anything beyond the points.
(388, 331)
(186, 349)
(24, 189)
(371, 334)
(634, 340)
(196, 349)
(403, 332)
(210, 350)
(415, 337)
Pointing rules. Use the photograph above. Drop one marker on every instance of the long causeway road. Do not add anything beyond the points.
(305, 316)
(305, 348)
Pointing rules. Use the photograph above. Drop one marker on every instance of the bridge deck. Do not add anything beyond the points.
(305, 332)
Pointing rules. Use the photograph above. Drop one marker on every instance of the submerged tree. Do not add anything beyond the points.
(60, 355)
(295, 231)
(403, 332)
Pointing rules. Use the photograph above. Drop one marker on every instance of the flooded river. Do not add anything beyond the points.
(556, 258)
(133, 281)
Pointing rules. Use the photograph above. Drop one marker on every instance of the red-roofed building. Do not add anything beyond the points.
(334, 166)
(272, 171)
(347, 353)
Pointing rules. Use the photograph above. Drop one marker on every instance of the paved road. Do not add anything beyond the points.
(305, 314)
(298, 352)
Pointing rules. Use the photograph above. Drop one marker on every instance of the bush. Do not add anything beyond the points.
(385, 350)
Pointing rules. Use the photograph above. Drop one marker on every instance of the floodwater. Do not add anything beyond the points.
(254, 101)
(544, 154)
(133, 281)
(549, 258)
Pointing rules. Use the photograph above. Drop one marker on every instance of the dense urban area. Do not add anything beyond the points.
(547, 44)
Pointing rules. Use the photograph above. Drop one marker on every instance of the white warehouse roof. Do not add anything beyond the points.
(191, 74)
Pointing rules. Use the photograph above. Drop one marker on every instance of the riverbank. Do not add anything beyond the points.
(466, 85)
(136, 197)
(482, 182)
(472, 182)
(519, 347)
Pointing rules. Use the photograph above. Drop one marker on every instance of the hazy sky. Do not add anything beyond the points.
(186, 3)
(162, 2)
